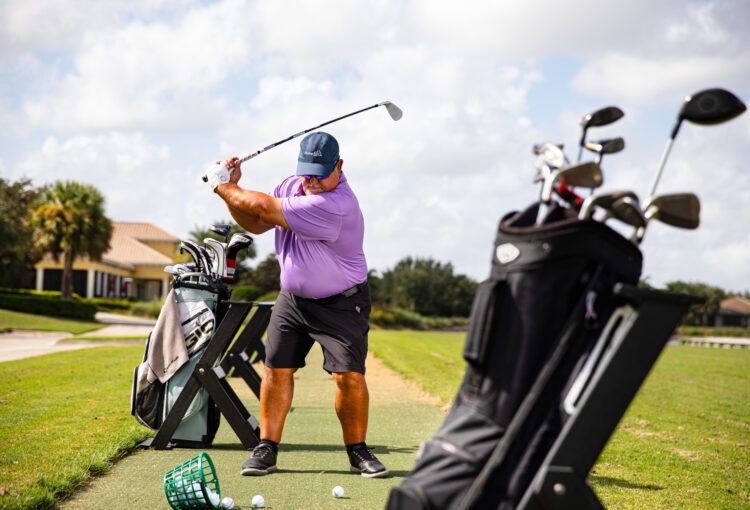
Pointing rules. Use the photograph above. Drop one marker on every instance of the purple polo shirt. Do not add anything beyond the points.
(322, 254)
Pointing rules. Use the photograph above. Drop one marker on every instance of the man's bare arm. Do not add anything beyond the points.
(249, 205)
(250, 222)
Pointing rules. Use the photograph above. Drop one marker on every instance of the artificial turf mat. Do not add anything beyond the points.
(311, 460)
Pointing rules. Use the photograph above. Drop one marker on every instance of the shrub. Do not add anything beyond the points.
(45, 305)
(107, 305)
(736, 332)
(149, 309)
(245, 292)
(389, 317)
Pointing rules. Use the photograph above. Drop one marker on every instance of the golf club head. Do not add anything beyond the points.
(551, 154)
(603, 200)
(586, 175)
(194, 251)
(393, 110)
(602, 117)
(711, 106)
(219, 259)
(681, 210)
(606, 146)
(238, 242)
(627, 210)
(222, 229)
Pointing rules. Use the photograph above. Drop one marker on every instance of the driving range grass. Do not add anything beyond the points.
(121, 338)
(63, 417)
(683, 443)
(27, 321)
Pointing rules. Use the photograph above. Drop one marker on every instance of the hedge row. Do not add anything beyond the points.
(45, 305)
(388, 317)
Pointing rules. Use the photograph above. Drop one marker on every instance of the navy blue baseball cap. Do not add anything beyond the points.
(318, 154)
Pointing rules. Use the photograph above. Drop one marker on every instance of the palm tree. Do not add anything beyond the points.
(69, 220)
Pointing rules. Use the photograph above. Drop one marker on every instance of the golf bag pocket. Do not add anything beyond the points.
(146, 399)
(482, 316)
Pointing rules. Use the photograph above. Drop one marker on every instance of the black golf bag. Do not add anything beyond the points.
(200, 309)
(548, 297)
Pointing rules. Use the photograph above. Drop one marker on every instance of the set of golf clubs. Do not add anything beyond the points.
(215, 260)
(681, 210)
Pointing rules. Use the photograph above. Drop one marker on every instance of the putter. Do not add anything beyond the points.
(681, 210)
(602, 200)
(707, 107)
(394, 111)
(598, 118)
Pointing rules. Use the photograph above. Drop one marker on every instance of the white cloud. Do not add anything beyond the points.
(158, 75)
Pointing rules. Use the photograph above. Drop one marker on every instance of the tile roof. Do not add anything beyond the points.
(736, 304)
(129, 252)
(142, 231)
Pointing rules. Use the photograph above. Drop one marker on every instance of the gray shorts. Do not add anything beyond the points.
(339, 324)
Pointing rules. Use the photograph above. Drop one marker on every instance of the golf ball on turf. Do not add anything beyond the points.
(338, 492)
(227, 503)
(258, 501)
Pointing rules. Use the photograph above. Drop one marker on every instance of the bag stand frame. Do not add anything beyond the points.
(214, 378)
(628, 351)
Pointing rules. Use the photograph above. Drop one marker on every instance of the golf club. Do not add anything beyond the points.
(681, 210)
(598, 118)
(193, 250)
(606, 146)
(627, 210)
(219, 262)
(222, 229)
(239, 241)
(602, 200)
(587, 174)
(707, 107)
(393, 110)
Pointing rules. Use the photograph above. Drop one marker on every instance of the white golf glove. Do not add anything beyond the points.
(217, 174)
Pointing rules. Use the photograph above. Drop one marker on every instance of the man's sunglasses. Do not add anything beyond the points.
(318, 177)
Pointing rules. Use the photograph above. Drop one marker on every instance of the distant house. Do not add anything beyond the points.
(733, 311)
(132, 268)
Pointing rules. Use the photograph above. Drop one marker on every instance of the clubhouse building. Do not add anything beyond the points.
(132, 268)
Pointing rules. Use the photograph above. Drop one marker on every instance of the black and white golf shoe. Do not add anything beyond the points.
(365, 463)
(261, 462)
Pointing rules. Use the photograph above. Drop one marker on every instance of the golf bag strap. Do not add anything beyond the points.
(483, 311)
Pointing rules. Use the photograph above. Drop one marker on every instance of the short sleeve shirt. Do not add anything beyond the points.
(321, 253)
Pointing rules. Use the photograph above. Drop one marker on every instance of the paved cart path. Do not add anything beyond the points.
(311, 459)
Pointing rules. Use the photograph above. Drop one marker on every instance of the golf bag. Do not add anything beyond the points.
(549, 295)
(199, 304)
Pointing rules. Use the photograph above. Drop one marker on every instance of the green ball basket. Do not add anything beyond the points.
(187, 485)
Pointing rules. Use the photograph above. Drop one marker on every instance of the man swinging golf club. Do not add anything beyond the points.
(324, 294)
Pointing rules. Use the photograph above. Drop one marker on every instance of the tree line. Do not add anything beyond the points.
(66, 219)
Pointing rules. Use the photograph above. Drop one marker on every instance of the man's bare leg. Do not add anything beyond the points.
(276, 393)
(352, 405)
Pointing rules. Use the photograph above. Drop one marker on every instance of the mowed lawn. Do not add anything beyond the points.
(63, 417)
(683, 443)
(27, 321)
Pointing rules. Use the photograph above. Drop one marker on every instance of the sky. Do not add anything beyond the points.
(138, 97)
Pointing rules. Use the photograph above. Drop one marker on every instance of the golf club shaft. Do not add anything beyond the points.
(264, 149)
(663, 161)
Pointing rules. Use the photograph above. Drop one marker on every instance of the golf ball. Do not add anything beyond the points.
(214, 498)
(227, 503)
(258, 501)
(338, 492)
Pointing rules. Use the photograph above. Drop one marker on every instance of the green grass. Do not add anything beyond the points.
(104, 338)
(64, 417)
(683, 443)
(19, 320)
